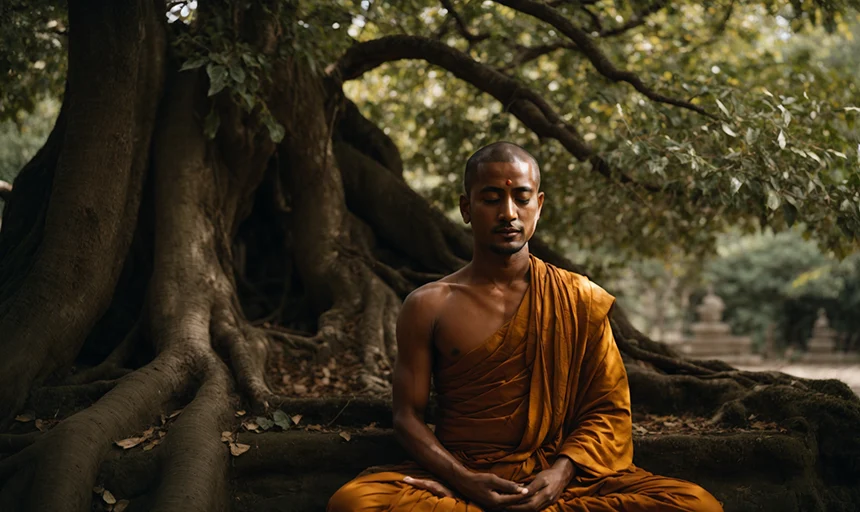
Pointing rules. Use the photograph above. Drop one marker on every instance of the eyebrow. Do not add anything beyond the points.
(490, 188)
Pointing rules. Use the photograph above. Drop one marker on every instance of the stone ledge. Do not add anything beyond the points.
(748, 471)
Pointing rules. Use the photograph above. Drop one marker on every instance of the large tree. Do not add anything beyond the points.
(209, 191)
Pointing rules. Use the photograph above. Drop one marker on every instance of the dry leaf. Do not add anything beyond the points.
(108, 497)
(345, 435)
(238, 448)
(175, 413)
(300, 389)
(98, 490)
(41, 425)
(296, 419)
(129, 443)
(285, 378)
(24, 418)
(240, 413)
(250, 425)
(120, 506)
(152, 444)
(226, 436)
(316, 428)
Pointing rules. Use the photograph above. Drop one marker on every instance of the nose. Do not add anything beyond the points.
(508, 210)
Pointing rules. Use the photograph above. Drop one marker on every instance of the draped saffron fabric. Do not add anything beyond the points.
(548, 383)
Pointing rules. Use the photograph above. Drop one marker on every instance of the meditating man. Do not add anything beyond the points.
(533, 402)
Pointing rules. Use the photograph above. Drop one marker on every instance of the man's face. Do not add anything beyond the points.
(503, 206)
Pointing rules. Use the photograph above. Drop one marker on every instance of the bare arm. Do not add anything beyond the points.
(411, 392)
(412, 387)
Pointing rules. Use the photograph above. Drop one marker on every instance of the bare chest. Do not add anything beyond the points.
(467, 321)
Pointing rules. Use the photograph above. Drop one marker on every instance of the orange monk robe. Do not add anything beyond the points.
(548, 383)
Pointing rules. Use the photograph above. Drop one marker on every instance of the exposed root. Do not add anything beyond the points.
(248, 348)
(13, 443)
(195, 468)
(112, 366)
(61, 400)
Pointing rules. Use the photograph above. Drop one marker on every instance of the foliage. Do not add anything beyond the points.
(779, 79)
(32, 54)
(783, 280)
(768, 70)
(21, 137)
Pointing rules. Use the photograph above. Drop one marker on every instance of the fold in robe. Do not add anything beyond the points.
(548, 383)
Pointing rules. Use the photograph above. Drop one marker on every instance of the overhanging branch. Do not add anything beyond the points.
(598, 59)
(525, 104)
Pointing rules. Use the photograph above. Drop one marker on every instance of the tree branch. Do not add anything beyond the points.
(526, 105)
(529, 53)
(462, 27)
(636, 20)
(600, 61)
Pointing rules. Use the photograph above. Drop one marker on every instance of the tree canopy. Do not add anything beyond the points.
(667, 122)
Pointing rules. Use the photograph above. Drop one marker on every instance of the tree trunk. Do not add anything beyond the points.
(129, 210)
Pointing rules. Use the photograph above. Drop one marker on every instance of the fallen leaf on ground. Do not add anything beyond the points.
(251, 426)
(152, 444)
(345, 435)
(24, 418)
(98, 490)
(296, 418)
(240, 413)
(238, 448)
(120, 506)
(316, 428)
(226, 436)
(130, 442)
(108, 497)
(41, 425)
(175, 413)
(265, 423)
(281, 419)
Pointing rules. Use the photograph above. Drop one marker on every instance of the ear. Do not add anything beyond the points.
(540, 197)
(465, 209)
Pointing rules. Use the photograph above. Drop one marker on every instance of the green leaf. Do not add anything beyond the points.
(736, 185)
(281, 419)
(217, 78)
(276, 129)
(751, 136)
(265, 423)
(237, 73)
(723, 108)
(773, 201)
(248, 98)
(211, 123)
(781, 139)
(194, 63)
(729, 131)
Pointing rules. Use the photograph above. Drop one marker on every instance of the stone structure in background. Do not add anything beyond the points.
(712, 338)
(821, 347)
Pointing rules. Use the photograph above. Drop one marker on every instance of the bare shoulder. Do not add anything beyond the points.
(427, 300)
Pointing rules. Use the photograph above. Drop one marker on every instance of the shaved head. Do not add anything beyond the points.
(498, 152)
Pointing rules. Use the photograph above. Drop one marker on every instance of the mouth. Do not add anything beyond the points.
(508, 232)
